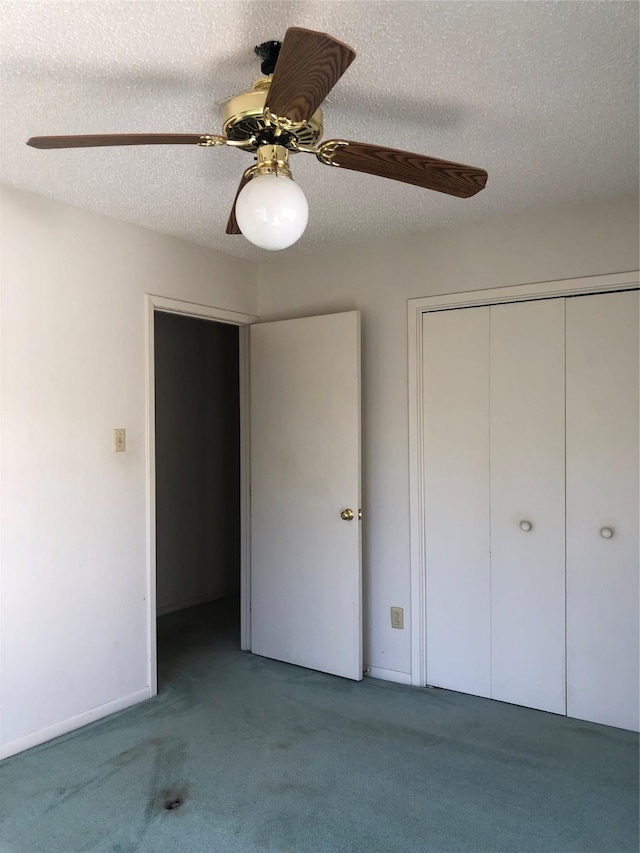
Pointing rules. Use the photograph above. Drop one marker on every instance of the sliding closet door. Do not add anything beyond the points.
(527, 505)
(602, 509)
(456, 488)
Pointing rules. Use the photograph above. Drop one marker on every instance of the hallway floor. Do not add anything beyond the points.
(240, 754)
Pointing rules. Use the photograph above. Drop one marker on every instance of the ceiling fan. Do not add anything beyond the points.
(280, 116)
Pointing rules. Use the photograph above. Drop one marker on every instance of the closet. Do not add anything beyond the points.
(530, 472)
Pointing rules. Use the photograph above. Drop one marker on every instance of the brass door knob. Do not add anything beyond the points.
(347, 515)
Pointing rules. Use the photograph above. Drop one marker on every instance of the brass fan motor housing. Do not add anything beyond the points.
(243, 117)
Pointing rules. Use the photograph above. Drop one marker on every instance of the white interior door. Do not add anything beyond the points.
(602, 509)
(455, 373)
(306, 598)
(527, 505)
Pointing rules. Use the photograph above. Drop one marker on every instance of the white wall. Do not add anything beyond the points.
(377, 279)
(73, 618)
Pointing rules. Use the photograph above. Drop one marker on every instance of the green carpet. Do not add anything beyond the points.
(262, 756)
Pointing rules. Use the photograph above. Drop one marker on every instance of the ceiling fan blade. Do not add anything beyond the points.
(309, 66)
(442, 176)
(98, 140)
(232, 224)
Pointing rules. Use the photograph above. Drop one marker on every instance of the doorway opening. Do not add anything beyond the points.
(197, 490)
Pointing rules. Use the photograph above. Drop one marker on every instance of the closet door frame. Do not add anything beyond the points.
(416, 309)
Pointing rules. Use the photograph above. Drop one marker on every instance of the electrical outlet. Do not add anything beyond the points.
(397, 617)
(119, 440)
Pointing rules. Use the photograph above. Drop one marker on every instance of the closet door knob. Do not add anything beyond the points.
(526, 526)
(606, 532)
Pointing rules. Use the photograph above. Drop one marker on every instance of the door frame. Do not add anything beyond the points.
(155, 303)
(464, 299)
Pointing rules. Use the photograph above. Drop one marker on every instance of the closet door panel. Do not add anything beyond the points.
(527, 488)
(602, 495)
(456, 512)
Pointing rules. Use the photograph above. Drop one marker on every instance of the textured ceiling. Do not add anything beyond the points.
(544, 95)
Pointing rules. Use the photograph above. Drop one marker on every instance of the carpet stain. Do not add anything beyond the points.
(169, 755)
(172, 800)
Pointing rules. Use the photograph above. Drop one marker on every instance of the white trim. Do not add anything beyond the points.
(464, 299)
(388, 675)
(191, 309)
(416, 503)
(524, 292)
(150, 413)
(72, 723)
(245, 493)
(208, 312)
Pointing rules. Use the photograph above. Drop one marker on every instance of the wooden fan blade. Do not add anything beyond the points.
(309, 66)
(442, 176)
(232, 224)
(98, 140)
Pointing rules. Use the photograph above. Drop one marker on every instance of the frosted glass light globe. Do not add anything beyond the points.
(272, 211)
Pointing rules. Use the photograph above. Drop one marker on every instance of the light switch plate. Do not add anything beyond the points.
(119, 440)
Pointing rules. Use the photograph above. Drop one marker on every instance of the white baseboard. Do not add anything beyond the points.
(389, 675)
(191, 602)
(62, 728)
